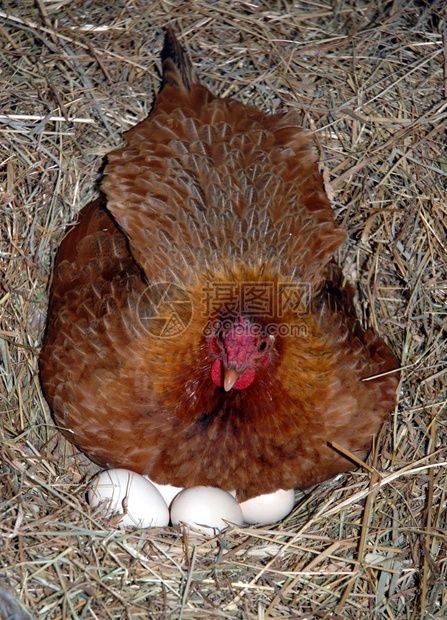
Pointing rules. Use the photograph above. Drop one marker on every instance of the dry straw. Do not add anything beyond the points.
(371, 83)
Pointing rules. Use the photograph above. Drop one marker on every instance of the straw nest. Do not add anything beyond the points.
(372, 86)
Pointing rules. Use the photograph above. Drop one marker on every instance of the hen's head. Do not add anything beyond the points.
(240, 348)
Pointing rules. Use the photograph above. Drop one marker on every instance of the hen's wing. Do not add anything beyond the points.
(336, 303)
(361, 401)
(210, 183)
(92, 363)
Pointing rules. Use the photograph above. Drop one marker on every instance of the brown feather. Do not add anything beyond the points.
(207, 192)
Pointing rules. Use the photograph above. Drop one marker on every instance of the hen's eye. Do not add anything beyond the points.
(262, 346)
(220, 335)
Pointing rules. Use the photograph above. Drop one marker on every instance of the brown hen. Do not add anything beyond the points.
(199, 331)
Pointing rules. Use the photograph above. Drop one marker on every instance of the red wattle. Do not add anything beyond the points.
(217, 375)
(245, 379)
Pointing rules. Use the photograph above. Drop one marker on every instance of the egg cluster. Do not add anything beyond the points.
(143, 503)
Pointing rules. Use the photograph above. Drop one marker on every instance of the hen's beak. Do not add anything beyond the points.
(230, 377)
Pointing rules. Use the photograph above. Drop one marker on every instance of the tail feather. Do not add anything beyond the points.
(178, 71)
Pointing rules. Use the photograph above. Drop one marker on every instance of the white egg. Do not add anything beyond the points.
(127, 493)
(268, 508)
(205, 506)
(167, 491)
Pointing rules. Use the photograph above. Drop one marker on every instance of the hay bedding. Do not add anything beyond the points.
(371, 84)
